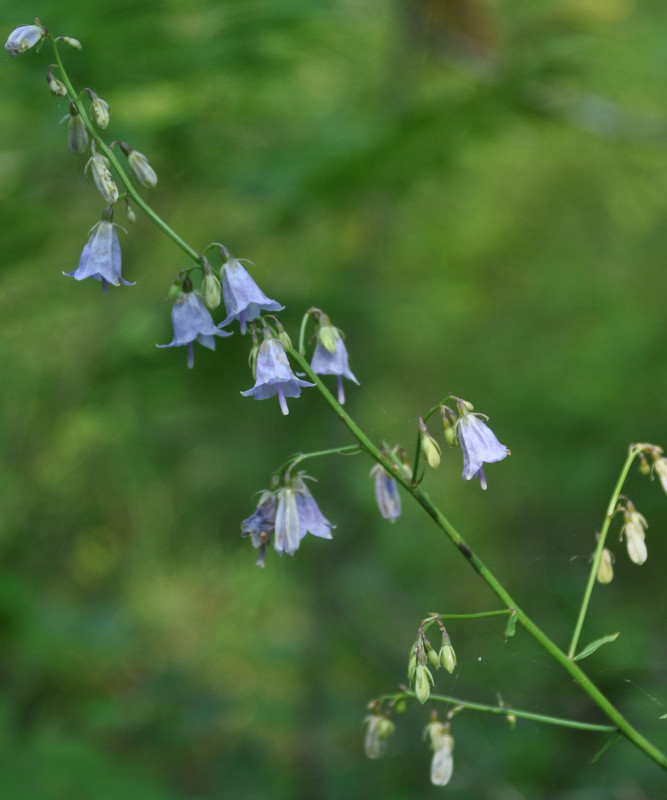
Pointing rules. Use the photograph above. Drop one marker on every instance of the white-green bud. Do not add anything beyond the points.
(77, 135)
(605, 568)
(423, 681)
(99, 111)
(660, 466)
(327, 335)
(56, 87)
(130, 213)
(142, 169)
(283, 338)
(431, 450)
(634, 528)
(210, 290)
(71, 41)
(102, 176)
(378, 730)
(442, 763)
(174, 291)
(448, 657)
(433, 657)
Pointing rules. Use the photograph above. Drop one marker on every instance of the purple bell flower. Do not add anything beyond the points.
(273, 375)
(327, 363)
(261, 524)
(192, 322)
(479, 445)
(386, 493)
(100, 257)
(311, 519)
(244, 300)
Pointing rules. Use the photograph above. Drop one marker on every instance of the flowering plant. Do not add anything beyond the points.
(287, 511)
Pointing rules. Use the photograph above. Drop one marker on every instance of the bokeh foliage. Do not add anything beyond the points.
(475, 193)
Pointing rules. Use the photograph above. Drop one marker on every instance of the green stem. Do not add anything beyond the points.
(347, 450)
(106, 151)
(503, 612)
(573, 669)
(506, 711)
(611, 508)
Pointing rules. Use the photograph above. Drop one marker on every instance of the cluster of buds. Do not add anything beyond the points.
(285, 513)
(422, 651)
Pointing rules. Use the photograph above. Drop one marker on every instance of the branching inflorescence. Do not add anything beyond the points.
(286, 511)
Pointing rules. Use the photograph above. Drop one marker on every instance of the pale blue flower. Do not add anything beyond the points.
(327, 363)
(244, 300)
(311, 519)
(386, 493)
(23, 38)
(273, 375)
(478, 444)
(100, 257)
(192, 322)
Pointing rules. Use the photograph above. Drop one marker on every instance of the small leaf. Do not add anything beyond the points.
(510, 628)
(593, 646)
(664, 716)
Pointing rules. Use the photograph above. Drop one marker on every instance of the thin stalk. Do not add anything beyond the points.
(506, 711)
(347, 450)
(611, 509)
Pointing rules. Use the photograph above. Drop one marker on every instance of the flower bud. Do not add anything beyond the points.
(102, 176)
(56, 87)
(130, 213)
(327, 335)
(423, 681)
(141, 168)
(283, 338)
(605, 568)
(71, 41)
(174, 291)
(77, 133)
(379, 729)
(660, 466)
(448, 657)
(433, 657)
(511, 721)
(634, 528)
(442, 763)
(430, 448)
(23, 38)
(211, 290)
(99, 111)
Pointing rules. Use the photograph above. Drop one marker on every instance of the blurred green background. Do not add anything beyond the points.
(475, 192)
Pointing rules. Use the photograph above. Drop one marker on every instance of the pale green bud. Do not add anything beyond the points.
(99, 111)
(327, 335)
(442, 763)
(660, 467)
(423, 681)
(130, 213)
(450, 436)
(378, 730)
(210, 290)
(385, 728)
(412, 665)
(77, 134)
(433, 657)
(634, 528)
(56, 87)
(605, 568)
(142, 169)
(431, 450)
(71, 41)
(174, 290)
(448, 657)
(283, 338)
(511, 721)
(102, 176)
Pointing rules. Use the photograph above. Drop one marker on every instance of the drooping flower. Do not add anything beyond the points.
(77, 135)
(660, 466)
(423, 681)
(56, 87)
(311, 519)
(244, 300)
(378, 729)
(273, 375)
(23, 38)
(478, 444)
(192, 322)
(100, 257)
(336, 363)
(142, 169)
(386, 493)
(287, 534)
(633, 530)
(442, 743)
(99, 110)
(260, 525)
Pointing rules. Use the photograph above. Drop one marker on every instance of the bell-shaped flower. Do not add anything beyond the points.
(261, 524)
(287, 533)
(244, 300)
(378, 729)
(100, 257)
(442, 763)
(605, 572)
(273, 375)
(192, 322)
(478, 444)
(326, 363)
(311, 519)
(633, 530)
(23, 38)
(386, 493)
(77, 135)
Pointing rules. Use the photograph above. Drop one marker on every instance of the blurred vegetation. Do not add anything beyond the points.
(474, 191)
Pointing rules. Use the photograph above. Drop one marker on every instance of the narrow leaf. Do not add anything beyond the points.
(593, 646)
